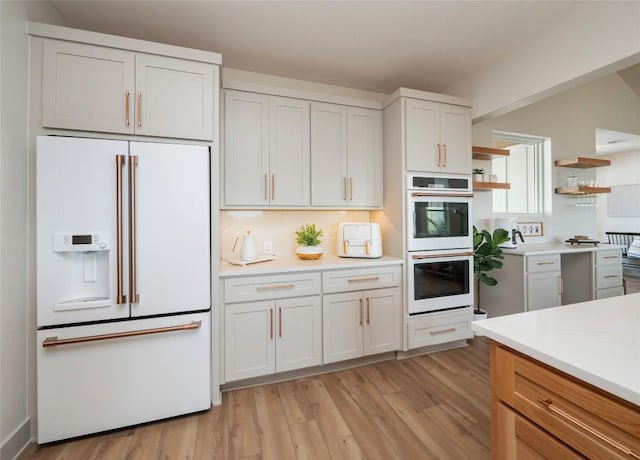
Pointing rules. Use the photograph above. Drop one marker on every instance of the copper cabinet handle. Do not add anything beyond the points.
(55, 341)
(561, 285)
(443, 331)
(275, 287)
(610, 257)
(266, 186)
(280, 322)
(271, 323)
(611, 276)
(439, 155)
(134, 297)
(126, 107)
(139, 109)
(363, 280)
(368, 312)
(444, 149)
(367, 247)
(120, 297)
(273, 186)
(548, 403)
(345, 246)
(545, 263)
(351, 189)
(360, 301)
(344, 186)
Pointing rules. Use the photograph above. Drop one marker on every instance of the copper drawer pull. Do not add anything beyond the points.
(611, 276)
(139, 109)
(561, 285)
(439, 155)
(280, 322)
(444, 148)
(266, 186)
(360, 301)
(126, 107)
(546, 263)
(270, 323)
(54, 341)
(548, 403)
(344, 186)
(368, 312)
(610, 257)
(351, 189)
(275, 287)
(443, 331)
(363, 280)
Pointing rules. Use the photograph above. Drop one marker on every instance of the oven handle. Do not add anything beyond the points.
(441, 256)
(444, 195)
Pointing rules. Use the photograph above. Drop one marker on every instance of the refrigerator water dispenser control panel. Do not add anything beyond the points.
(81, 242)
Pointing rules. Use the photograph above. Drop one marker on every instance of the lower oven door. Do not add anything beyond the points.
(439, 281)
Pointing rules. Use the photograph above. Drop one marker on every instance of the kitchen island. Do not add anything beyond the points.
(566, 381)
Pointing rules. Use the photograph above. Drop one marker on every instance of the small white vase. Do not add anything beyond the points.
(478, 177)
(309, 252)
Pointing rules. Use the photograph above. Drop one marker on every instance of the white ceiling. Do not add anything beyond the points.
(375, 46)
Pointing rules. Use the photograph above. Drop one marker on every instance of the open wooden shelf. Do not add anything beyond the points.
(486, 153)
(491, 186)
(582, 163)
(581, 190)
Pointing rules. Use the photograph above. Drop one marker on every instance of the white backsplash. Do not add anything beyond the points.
(279, 227)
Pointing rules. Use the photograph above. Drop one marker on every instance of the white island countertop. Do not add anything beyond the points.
(597, 342)
(290, 264)
(531, 249)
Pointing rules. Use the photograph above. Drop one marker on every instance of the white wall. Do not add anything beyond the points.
(601, 38)
(570, 120)
(15, 377)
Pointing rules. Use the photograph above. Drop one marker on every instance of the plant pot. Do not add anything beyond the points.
(478, 317)
(309, 252)
(478, 177)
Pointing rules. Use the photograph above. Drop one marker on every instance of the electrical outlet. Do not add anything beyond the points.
(268, 247)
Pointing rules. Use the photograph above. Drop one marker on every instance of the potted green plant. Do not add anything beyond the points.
(478, 175)
(308, 239)
(487, 257)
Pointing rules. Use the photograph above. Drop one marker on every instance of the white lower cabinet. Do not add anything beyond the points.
(544, 290)
(607, 273)
(271, 336)
(360, 323)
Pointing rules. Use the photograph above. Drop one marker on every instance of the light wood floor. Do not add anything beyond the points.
(431, 406)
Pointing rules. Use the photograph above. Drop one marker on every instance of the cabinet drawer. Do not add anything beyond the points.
(544, 263)
(607, 277)
(611, 257)
(609, 292)
(360, 279)
(437, 328)
(271, 287)
(585, 418)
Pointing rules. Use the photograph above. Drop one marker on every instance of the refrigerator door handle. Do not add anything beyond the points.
(134, 297)
(120, 161)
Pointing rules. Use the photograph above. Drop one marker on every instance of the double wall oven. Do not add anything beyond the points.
(439, 243)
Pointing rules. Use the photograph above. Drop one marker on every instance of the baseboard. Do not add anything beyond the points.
(16, 442)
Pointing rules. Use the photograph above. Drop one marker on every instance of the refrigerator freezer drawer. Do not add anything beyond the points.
(91, 386)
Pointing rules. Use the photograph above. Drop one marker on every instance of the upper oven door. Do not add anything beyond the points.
(438, 222)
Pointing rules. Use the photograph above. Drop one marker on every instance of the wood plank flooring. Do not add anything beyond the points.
(431, 406)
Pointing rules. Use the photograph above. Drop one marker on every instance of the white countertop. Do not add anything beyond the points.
(295, 264)
(531, 249)
(597, 341)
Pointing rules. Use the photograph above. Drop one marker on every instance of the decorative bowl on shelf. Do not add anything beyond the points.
(309, 252)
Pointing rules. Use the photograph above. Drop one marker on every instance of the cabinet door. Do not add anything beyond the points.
(85, 87)
(342, 320)
(382, 320)
(249, 340)
(365, 157)
(289, 152)
(246, 148)
(328, 154)
(543, 290)
(299, 333)
(455, 137)
(422, 135)
(173, 263)
(174, 98)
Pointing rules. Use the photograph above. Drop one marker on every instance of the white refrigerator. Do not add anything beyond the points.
(123, 283)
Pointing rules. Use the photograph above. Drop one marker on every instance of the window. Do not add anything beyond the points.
(527, 169)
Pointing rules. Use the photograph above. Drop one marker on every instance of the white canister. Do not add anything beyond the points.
(249, 250)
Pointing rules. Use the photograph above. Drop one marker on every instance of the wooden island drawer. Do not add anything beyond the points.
(591, 421)
(244, 289)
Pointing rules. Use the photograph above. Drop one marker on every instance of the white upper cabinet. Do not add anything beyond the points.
(94, 88)
(266, 154)
(438, 137)
(246, 149)
(346, 156)
(288, 151)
